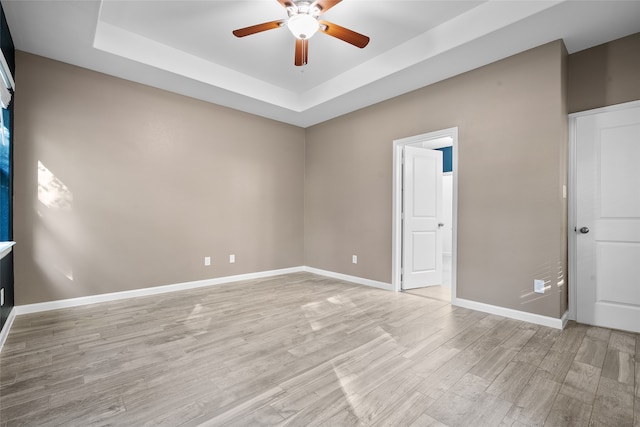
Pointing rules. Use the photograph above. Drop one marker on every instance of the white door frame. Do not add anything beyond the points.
(429, 140)
(572, 201)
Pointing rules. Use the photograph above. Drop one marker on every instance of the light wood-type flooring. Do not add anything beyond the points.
(306, 350)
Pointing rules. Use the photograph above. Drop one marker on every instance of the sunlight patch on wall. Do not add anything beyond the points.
(51, 256)
(51, 191)
(51, 253)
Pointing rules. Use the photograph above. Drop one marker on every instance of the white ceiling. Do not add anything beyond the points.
(187, 46)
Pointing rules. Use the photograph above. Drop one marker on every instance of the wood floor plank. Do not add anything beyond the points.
(556, 364)
(536, 400)
(493, 363)
(569, 412)
(592, 351)
(511, 381)
(595, 332)
(302, 349)
(622, 341)
(519, 338)
(619, 366)
(470, 386)
(488, 410)
(570, 338)
(425, 420)
(581, 382)
(538, 346)
(411, 408)
(614, 404)
(450, 409)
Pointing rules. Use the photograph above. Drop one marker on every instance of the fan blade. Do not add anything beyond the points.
(302, 52)
(344, 34)
(286, 3)
(324, 5)
(242, 32)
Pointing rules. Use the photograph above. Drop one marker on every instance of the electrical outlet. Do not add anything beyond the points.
(354, 259)
(538, 286)
(207, 260)
(232, 259)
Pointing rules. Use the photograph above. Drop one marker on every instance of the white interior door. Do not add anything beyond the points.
(422, 211)
(608, 219)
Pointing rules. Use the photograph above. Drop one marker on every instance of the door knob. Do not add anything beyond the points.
(440, 224)
(584, 230)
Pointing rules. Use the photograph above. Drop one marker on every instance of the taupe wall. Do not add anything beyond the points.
(512, 123)
(137, 185)
(147, 183)
(604, 75)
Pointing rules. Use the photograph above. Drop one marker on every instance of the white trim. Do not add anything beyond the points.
(512, 314)
(565, 319)
(571, 221)
(623, 106)
(4, 333)
(5, 247)
(429, 140)
(6, 73)
(354, 279)
(572, 311)
(114, 296)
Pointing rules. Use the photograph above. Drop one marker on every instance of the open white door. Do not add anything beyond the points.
(422, 212)
(608, 219)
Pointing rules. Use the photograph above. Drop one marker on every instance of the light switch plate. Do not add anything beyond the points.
(538, 286)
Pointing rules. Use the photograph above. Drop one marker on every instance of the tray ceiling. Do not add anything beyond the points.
(187, 46)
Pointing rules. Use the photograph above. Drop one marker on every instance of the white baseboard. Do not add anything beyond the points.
(114, 296)
(565, 318)
(512, 314)
(4, 333)
(354, 279)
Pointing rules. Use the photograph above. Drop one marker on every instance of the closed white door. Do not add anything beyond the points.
(422, 210)
(608, 219)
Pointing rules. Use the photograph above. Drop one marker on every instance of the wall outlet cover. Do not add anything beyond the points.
(354, 259)
(207, 260)
(538, 286)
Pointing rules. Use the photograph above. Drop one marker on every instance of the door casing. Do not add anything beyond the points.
(430, 140)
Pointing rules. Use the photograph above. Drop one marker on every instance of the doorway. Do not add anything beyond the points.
(604, 217)
(428, 141)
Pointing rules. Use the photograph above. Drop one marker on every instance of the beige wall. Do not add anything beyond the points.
(143, 183)
(511, 117)
(604, 75)
(137, 185)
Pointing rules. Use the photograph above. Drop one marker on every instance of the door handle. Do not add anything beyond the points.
(440, 224)
(584, 230)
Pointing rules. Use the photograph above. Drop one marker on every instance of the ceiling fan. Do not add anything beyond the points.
(303, 22)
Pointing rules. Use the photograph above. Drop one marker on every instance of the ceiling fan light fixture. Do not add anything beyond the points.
(303, 26)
